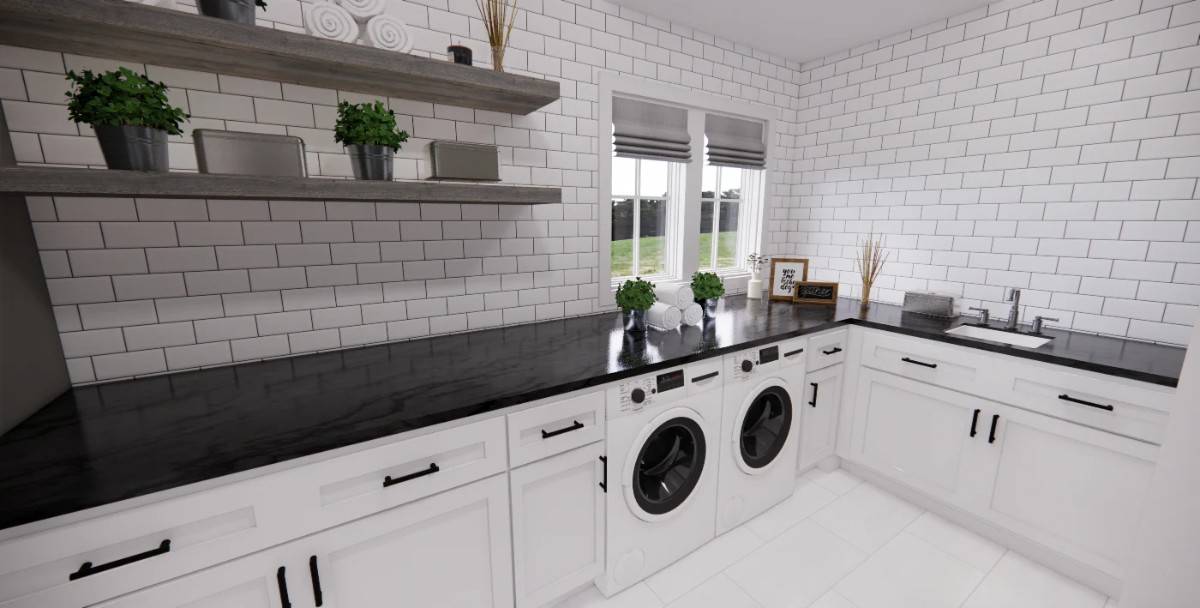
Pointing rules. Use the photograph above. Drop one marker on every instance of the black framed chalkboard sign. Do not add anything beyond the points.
(815, 292)
(785, 273)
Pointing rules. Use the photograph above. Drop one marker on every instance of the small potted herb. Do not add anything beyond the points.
(371, 138)
(240, 11)
(130, 114)
(707, 288)
(635, 297)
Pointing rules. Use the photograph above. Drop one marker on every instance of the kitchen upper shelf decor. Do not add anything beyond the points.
(119, 29)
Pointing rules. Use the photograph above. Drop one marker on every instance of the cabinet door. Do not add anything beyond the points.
(261, 580)
(819, 414)
(1074, 488)
(922, 435)
(449, 550)
(558, 519)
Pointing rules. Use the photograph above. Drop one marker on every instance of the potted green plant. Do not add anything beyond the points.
(635, 297)
(240, 11)
(707, 288)
(130, 114)
(371, 138)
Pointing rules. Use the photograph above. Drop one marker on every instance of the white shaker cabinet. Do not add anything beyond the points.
(819, 415)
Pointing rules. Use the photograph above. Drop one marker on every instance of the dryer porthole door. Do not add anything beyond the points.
(763, 427)
(666, 464)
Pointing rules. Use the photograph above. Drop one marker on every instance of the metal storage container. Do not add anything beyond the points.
(237, 153)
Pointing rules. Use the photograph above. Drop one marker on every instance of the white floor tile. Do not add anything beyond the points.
(975, 550)
(833, 599)
(910, 573)
(637, 596)
(808, 498)
(672, 582)
(1111, 603)
(718, 592)
(797, 568)
(867, 517)
(1017, 581)
(837, 481)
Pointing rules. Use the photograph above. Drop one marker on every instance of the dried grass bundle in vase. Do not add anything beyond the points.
(499, 16)
(871, 258)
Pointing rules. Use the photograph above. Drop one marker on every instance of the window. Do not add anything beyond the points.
(642, 214)
(720, 206)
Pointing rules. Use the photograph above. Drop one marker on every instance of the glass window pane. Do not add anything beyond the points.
(728, 238)
(731, 184)
(706, 235)
(710, 181)
(622, 237)
(623, 177)
(654, 178)
(652, 258)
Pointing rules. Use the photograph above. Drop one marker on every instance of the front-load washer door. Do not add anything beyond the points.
(762, 430)
(669, 461)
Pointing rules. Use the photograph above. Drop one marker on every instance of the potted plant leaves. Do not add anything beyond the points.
(707, 289)
(240, 11)
(371, 138)
(130, 114)
(635, 297)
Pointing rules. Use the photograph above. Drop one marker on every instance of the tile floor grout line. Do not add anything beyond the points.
(985, 577)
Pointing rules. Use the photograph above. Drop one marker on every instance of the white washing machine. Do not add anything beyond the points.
(661, 481)
(760, 430)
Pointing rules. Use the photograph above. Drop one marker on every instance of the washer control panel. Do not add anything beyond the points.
(744, 364)
(638, 393)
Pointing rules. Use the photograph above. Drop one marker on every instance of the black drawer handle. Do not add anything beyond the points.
(1066, 397)
(992, 433)
(706, 376)
(391, 481)
(794, 352)
(833, 351)
(604, 484)
(318, 596)
(281, 579)
(574, 427)
(87, 569)
(974, 422)
(814, 399)
(921, 363)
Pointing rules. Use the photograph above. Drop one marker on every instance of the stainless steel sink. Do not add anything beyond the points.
(996, 335)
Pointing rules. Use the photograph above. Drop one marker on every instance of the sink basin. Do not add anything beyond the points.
(996, 335)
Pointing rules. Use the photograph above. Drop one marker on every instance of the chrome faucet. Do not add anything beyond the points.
(1014, 296)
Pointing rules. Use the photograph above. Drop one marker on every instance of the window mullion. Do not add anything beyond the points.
(635, 247)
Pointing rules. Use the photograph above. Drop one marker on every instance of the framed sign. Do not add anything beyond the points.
(785, 273)
(815, 292)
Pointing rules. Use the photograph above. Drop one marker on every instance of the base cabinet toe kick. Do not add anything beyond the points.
(508, 509)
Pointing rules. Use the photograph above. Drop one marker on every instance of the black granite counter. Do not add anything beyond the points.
(101, 444)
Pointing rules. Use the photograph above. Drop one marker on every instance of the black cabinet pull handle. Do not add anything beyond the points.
(1066, 397)
(706, 376)
(281, 578)
(814, 399)
(921, 363)
(87, 569)
(832, 351)
(318, 597)
(391, 481)
(992, 433)
(794, 352)
(574, 427)
(604, 484)
(974, 421)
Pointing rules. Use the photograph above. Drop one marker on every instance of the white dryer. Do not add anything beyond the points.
(759, 430)
(661, 478)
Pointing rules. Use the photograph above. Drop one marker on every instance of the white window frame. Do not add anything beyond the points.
(750, 212)
(674, 201)
(686, 252)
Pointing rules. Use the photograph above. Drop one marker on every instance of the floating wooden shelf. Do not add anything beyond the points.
(94, 182)
(119, 29)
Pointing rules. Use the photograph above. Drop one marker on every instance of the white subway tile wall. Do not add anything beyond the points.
(1052, 146)
(149, 286)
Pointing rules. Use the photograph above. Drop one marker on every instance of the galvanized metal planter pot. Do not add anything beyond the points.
(635, 320)
(371, 161)
(240, 11)
(709, 306)
(133, 148)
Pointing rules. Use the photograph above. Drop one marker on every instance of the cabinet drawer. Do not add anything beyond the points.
(926, 361)
(555, 427)
(826, 349)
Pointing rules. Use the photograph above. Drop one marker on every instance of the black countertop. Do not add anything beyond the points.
(101, 444)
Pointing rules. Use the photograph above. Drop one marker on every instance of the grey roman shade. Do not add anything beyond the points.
(735, 142)
(649, 130)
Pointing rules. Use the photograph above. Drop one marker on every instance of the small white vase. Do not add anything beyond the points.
(754, 287)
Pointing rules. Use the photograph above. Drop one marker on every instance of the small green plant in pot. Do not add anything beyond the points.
(707, 289)
(371, 138)
(635, 297)
(240, 11)
(130, 114)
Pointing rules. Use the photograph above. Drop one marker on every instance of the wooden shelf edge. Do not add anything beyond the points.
(52, 181)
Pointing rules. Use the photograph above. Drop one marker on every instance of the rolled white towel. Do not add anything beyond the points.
(389, 33)
(363, 9)
(328, 20)
(663, 316)
(679, 296)
(693, 314)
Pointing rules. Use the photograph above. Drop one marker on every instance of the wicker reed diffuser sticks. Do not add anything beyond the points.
(499, 16)
(871, 258)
